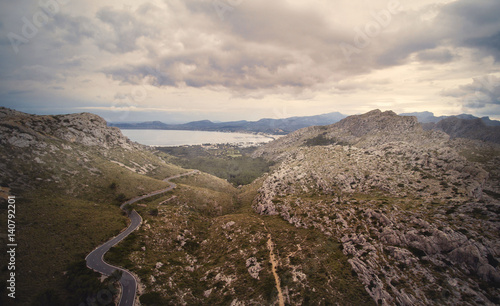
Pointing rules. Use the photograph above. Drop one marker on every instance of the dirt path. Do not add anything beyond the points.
(274, 263)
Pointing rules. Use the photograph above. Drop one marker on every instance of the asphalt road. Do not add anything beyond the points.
(95, 260)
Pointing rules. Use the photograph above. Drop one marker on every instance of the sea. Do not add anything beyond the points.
(174, 138)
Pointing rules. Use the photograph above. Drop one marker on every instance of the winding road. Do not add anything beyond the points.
(95, 260)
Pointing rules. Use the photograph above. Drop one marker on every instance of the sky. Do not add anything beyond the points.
(222, 60)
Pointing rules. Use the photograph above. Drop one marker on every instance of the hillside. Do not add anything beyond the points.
(199, 243)
(68, 173)
(467, 128)
(428, 117)
(461, 126)
(416, 212)
(367, 130)
(373, 209)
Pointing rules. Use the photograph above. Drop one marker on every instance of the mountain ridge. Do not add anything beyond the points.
(400, 198)
(371, 209)
(487, 131)
(265, 125)
(428, 117)
(200, 243)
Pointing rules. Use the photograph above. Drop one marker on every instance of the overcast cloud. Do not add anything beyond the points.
(247, 59)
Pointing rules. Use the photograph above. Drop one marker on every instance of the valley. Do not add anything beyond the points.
(370, 210)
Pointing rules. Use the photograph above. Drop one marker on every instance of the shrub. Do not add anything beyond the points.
(152, 299)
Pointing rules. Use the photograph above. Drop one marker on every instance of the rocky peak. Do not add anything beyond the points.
(364, 131)
(468, 128)
(7, 112)
(376, 121)
(25, 130)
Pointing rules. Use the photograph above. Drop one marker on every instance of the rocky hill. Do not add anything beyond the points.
(199, 244)
(370, 210)
(57, 147)
(24, 130)
(416, 212)
(428, 117)
(68, 173)
(367, 130)
(467, 128)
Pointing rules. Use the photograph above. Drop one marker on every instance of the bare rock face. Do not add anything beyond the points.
(24, 130)
(415, 212)
(376, 122)
(364, 131)
(254, 267)
(46, 149)
(467, 128)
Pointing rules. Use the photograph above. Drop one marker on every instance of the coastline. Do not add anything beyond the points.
(176, 138)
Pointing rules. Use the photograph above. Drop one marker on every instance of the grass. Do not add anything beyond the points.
(47, 228)
(201, 250)
(237, 168)
(322, 261)
(203, 235)
(68, 206)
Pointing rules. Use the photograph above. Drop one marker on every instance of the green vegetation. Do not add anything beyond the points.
(195, 251)
(83, 284)
(152, 299)
(119, 256)
(47, 298)
(69, 233)
(68, 207)
(224, 161)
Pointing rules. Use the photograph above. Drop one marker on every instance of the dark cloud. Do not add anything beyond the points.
(439, 56)
(482, 92)
(39, 73)
(473, 24)
(489, 44)
(470, 14)
(238, 68)
(72, 29)
(258, 46)
(18, 92)
(463, 23)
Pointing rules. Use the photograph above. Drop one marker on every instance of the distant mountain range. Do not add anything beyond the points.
(460, 126)
(428, 117)
(280, 126)
(373, 209)
(270, 126)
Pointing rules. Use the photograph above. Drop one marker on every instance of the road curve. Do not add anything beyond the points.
(95, 260)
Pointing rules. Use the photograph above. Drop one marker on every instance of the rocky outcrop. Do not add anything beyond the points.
(409, 208)
(24, 130)
(364, 131)
(467, 128)
(48, 149)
